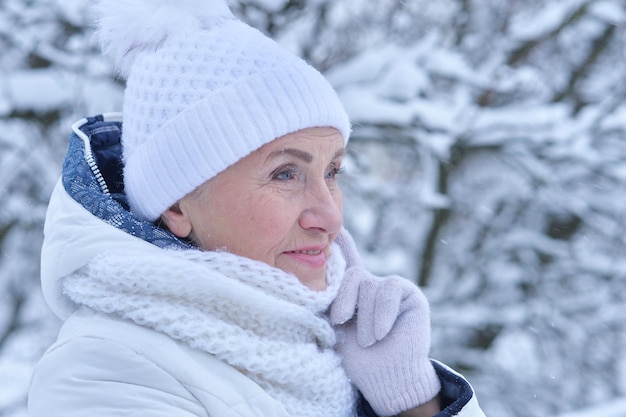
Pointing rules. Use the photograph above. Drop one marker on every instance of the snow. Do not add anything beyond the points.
(271, 5)
(74, 11)
(609, 11)
(615, 408)
(25, 90)
(538, 24)
(364, 68)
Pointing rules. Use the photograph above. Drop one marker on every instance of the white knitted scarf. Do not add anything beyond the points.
(256, 318)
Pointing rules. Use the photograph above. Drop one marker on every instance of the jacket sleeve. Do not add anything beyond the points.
(93, 377)
(457, 396)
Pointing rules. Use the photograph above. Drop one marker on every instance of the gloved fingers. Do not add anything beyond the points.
(366, 315)
(415, 309)
(382, 302)
(413, 298)
(348, 249)
(345, 304)
(386, 307)
(377, 302)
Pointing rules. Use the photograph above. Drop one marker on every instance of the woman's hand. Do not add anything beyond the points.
(383, 337)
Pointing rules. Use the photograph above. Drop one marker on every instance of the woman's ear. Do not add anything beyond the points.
(177, 221)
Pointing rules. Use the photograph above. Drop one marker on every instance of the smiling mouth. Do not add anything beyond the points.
(314, 258)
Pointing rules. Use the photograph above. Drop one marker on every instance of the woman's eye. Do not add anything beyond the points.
(284, 174)
(334, 171)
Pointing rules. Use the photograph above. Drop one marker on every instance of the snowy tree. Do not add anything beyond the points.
(51, 74)
(489, 155)
(485, 164)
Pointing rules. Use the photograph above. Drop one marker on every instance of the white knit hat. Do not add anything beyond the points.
(203, 90)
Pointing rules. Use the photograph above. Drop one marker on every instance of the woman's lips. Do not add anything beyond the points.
(314, 258)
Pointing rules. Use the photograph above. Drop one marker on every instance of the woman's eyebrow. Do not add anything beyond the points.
(302, 155)
(296, 153)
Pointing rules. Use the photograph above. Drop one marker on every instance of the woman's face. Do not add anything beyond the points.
(281, 205)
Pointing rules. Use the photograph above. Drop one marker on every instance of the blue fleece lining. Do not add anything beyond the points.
(81, 184)
(106, 146)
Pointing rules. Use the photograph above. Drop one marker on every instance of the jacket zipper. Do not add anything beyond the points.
(89, 158)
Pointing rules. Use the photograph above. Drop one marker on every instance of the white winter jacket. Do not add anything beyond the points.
(104, 366)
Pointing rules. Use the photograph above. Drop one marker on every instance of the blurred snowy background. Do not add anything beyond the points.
(488, 164)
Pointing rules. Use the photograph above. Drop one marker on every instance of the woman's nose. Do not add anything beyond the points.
(323, 208)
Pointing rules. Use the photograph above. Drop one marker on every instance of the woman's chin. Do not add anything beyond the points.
(313, 279)
(310, 275)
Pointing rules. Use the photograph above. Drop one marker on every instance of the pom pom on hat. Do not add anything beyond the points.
(203, 90)
(128, 27)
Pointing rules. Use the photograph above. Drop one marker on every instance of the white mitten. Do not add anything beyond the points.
(383, 337)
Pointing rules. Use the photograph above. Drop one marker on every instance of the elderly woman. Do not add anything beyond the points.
(197, 255)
